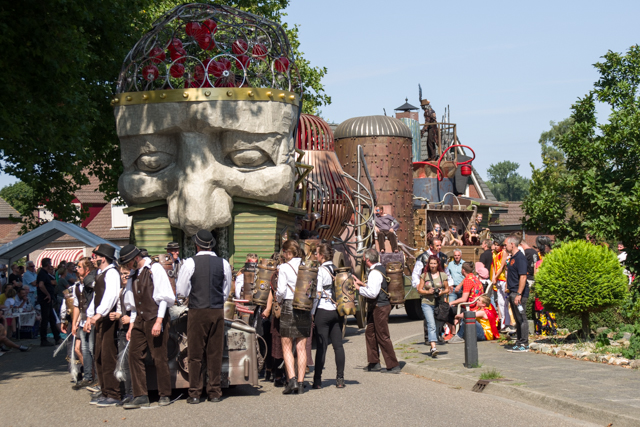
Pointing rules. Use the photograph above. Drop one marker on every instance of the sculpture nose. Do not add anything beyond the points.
(198, 204)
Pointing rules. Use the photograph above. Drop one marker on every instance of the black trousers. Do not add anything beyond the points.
(205, 338)
(48, 317)
(106, 352)
(328, 327)
(143, 342)
(388, 234)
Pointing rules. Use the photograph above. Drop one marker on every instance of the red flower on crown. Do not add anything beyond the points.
(221, 70)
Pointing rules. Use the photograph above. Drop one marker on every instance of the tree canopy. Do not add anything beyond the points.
(16, 194)
(581, 278)
(506, 183)
(599, 191)
(58, 73)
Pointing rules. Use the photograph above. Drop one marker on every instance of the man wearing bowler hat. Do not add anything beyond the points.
(106, 290)
(147, 295)
(206, 280)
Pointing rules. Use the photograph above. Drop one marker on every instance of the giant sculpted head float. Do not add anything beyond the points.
(205, 109)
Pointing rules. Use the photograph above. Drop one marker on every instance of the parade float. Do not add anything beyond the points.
(208, 114)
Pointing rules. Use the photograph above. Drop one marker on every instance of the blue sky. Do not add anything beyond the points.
(506, 68)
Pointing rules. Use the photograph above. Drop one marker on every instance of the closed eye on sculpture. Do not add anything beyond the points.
(251, 157)
(154, 162)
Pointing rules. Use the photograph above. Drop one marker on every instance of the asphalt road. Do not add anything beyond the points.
(35, 390)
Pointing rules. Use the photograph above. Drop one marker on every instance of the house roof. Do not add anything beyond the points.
(89, 193)
(513, 215)
(6, 210)
(45, 234)
(406, 106)
(100, 225)
(484, 187)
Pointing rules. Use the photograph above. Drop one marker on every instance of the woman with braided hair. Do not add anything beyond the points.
(327, 320)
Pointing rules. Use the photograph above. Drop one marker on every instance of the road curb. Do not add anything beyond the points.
(564, 406)
(567, 407)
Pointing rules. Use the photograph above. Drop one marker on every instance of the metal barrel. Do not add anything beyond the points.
(266, 270)
(345, 292)
(306, 288)
(229, 310)
(249, 271)
(396, 283)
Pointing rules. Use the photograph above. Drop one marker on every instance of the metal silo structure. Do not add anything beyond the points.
(386, 149)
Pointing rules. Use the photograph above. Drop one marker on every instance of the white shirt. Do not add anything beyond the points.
(76, 303)
(323, 300)
(162, 291)
(239, 285)
(183, 286)
(287, 279)
(374, 283)
(111, 292)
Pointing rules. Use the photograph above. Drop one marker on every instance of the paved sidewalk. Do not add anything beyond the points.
(586, 390)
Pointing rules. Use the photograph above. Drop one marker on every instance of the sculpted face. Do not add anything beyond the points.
(198, 155)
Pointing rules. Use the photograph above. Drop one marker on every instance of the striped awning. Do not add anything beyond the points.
(59, 255)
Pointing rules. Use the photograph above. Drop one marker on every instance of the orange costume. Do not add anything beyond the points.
(490, 324)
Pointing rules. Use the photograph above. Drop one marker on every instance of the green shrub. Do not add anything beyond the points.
(581, 278)
(633, 351)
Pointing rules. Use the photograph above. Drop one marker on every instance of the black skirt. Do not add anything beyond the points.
(294, 323)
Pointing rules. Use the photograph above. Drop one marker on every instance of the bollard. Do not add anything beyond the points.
(470, 340)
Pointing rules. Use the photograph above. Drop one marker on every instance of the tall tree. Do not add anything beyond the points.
(16, 195)
(506, 183)
(547, 205)
(58, 72)
(600, 185)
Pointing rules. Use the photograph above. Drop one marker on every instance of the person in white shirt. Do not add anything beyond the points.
(29, 278)
(107, 286)
(82, 297)
(295, 325)
(206, 279)
(326, 318)
(148, 295)
(378, 309)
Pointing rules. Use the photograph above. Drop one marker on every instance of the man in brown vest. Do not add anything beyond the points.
(379, 307)
(106, 289)
(206, 280)
(148, 295)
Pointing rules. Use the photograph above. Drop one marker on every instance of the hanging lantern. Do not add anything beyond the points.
(465, 170)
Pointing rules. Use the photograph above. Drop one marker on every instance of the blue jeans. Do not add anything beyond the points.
(431, 322)
(87, 344)
(479, 331)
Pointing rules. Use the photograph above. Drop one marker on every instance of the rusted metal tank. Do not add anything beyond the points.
(166, 261)
(396, 282)
(331, 200)
(249, 271)
(266, 270)
(229, 310)
(345, 292)
(386, 148)
(306, 287)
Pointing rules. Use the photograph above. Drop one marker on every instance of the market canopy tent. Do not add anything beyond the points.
(45, 234)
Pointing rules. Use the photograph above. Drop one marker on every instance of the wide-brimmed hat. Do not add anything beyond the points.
(127, 254)
(204, 239)
(105, 250)
(172, 246)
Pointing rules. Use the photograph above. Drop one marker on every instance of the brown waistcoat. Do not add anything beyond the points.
(142, 288)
